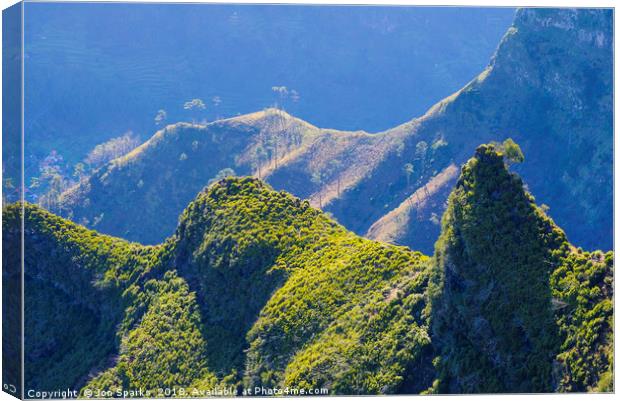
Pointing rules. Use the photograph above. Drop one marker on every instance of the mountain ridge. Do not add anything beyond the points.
(258, 288)
(360, 178)
(511, 98)
(506, 296)
(240, 250)
(187, 59)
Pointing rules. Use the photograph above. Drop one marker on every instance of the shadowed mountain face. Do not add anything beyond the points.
(548, 87)
(505, 292)
(257, 288)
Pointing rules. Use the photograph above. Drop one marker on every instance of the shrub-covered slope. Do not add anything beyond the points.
(257, 288)
(515, 308)
(74, 279)
(548, 86)
(248, 267)
(99, 313)
(278, 276)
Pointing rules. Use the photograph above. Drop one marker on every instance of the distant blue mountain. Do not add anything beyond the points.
(94, 71)
(548, 87)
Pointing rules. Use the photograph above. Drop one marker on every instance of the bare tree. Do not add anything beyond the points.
(335, 168)
(317, 179)
(257, 160)
(408, 168)
(281, 93)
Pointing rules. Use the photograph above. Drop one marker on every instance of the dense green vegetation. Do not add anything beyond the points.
(582, 288)
(72, 275)
(101, 312)
(514, 306)
(300, 275)
(254, 287)
(245, 263)
(257, 288)
(492, 312)
(164, 348)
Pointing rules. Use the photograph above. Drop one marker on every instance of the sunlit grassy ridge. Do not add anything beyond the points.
(165, 173)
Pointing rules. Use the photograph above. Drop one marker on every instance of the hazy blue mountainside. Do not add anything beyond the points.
(166, 172)
(548, 86)
(257, 288)
(95, 71)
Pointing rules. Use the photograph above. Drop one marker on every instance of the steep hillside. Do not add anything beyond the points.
(548, 86)
(257, 288)
(422, 206)
(248, 267)
(164, 174)
(515, 308)
(71, 275)
(302, 277)
(167, 172)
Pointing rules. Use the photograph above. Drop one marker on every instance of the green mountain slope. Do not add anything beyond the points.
(515, 308)
(299, 272)
(548, 86)
(71, 275)
(245, 263)
(257, 288)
